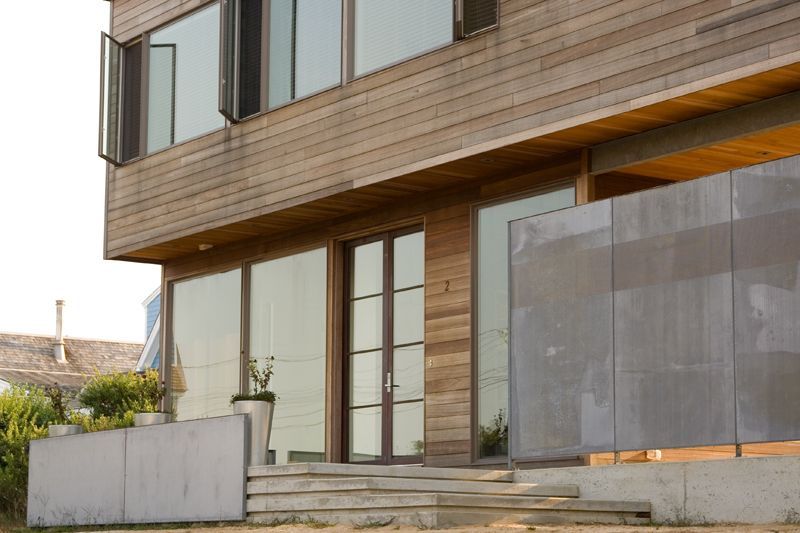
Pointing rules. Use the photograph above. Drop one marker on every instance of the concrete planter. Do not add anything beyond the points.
(260, 415)
(59, 430)
(151, 419)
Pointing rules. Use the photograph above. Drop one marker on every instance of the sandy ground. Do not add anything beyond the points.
(503, 529)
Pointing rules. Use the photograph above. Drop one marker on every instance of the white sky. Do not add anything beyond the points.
(52, 182)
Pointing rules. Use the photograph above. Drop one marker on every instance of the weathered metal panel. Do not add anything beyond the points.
(186, 471)
(77, 480)
(673, 316)
(561, 342)
(766, 244)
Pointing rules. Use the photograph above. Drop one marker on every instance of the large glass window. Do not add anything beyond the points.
(287, 321)
(204, 363)
(305, 41)
(183, 80)
(388, 31)
(492, 306)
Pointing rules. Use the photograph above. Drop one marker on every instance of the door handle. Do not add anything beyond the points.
(389, 383)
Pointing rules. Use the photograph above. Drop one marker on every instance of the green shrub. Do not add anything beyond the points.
(114, 396)
(25, 413)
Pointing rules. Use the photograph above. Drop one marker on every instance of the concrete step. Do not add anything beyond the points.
(334, 470)
(378, 485)
(444, 510)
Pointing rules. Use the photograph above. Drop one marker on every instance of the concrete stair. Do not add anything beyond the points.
(367, 495)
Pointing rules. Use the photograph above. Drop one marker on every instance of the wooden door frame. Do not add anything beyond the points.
(343, 367)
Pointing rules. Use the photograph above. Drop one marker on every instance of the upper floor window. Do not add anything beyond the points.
(183, 78)
(387, 31)
(236, 58)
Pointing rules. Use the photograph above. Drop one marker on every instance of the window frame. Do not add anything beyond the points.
(475, 207)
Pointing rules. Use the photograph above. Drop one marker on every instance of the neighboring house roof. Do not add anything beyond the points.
(29, 359)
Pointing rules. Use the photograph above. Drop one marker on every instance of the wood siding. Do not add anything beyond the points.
(551, 65)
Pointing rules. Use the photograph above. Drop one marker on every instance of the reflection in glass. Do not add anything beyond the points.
(287, 320)
(366, 324)
(409, 264)
(183, 80)
(493, 311)
(365, 378)
(365, 434)
(205, 345)
(409, 316)
(408, 373)
(387, 31)
(367, 270)
(408, 421)
(305, 48)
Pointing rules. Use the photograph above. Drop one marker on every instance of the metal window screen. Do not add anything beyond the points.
(478, 15)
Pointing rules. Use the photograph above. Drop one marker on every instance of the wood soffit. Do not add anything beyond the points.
(526, 157)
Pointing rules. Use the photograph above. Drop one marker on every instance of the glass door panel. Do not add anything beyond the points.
(385, 348)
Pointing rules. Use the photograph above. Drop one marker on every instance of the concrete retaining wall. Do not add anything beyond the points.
(755, 490)
(184, 471)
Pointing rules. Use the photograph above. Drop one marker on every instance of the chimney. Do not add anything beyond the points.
(58, 345)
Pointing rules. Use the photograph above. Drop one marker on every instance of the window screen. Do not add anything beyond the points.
(478, 15)
(131, 101)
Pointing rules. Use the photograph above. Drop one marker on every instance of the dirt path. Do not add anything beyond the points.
(321, 528)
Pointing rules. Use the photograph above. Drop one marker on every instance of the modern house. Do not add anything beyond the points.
(46, 360)
(436, 215)
(331, 182)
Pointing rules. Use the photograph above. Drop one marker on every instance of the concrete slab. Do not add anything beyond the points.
(77, 480)
(757, 490)
(186, 471)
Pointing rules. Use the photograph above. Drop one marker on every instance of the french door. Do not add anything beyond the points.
(384, 348)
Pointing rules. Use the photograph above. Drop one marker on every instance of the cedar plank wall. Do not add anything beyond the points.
(550, 65)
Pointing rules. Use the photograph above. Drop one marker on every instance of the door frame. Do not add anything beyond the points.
(387, 237)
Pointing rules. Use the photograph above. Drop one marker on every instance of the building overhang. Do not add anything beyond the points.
(733, 124)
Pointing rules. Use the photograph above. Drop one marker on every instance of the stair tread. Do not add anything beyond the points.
(279, 486)
(348, 470)
(298, 503)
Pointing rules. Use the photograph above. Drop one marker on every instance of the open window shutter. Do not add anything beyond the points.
(229, 59)
(110, 92)
(478, 15)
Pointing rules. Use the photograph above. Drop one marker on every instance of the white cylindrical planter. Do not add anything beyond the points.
(151, 419)
(260, 414)
(60, 430)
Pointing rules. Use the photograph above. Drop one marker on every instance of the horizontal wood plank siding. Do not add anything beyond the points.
(551, 64)
(448, 379)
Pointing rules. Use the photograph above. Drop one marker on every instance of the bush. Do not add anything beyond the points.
(25, 413)
(116, 397)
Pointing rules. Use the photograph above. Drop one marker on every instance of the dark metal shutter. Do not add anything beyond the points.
(478, 15)
(131, 101)
(250, 58)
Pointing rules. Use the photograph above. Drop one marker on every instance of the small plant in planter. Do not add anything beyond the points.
(258, 405)
(63, 423)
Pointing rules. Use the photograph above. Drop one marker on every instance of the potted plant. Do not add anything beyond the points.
(63, 425)
(152, 392)
(258, 405)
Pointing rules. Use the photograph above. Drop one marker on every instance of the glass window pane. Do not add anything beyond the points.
(109, 127)
(367, 274)
(366, 373)
(205, 359)
(493, 309)
(387, 31)
(409, 316)
(365, 434)
(288, 302)
(183, 87)
(281, 21)
(408, 374)
(366, 324)
(409, 260)
(318, 46)
(407, 429)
